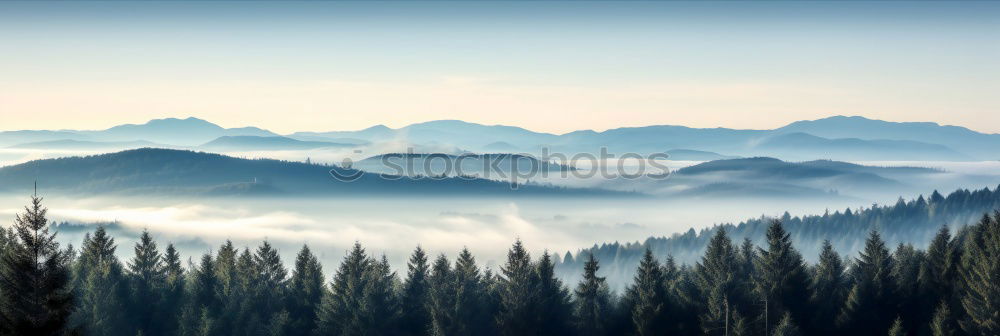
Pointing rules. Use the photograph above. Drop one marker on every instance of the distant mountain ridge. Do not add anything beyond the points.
(181, 172)
(838, 138)
(247, 142)
(171, 131)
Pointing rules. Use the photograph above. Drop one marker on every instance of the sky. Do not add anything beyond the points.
(546, 66)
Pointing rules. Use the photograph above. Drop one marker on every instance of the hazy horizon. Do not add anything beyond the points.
(386, 124)
(548, 67)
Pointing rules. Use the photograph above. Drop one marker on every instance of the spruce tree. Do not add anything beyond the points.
(341, 313)
(827, 292)
(942, 323)
(226, 273)
(938, 272)
(907, 262)
(472, 303)
(379, 312)
(305, 293)
(781, 280)
(416, 319)
(148, 277)
(268, 291)
(441, 298)
(203, 305)
(555, 310)
(173, 292)
(592, 304)
(35, 297)
(720, 285)
(786, 327)
(896, 329)
(870, 304)
(981, 297)
(648, 297)
(518, 289)
(103, 289)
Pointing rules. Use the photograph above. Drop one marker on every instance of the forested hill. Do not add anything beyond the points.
(912, 222)
(180, 172)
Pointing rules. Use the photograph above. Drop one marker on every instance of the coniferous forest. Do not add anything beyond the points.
(950, 288)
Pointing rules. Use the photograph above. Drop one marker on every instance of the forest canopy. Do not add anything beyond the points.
(732, 289)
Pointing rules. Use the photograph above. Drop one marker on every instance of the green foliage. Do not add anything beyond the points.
(416, 318)
(517, 288)
(781, 280)
(592, 304)
(35, 296)
(897, 328)
(786, 327)
(732, 290)
(305, 293)
(720, 284)
(981, 295)
(647, 298)
(148, 278)
(828, 291)
(102, 287)
(871, 303)
(942, 323)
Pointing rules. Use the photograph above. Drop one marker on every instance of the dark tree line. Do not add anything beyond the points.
(915, 221)
(950, 288)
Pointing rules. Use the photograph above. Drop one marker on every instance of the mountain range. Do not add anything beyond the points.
(837, 138)
(182, 172)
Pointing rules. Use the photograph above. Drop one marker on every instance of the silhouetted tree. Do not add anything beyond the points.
(148, 278)
(781, 280)
(647, 298)
(35, 297)
(592, 305)
(305, 293)
(416, 319)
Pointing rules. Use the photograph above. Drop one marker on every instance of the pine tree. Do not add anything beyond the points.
(897, 328)
(592, 305)
(981, 297)
(786, 327)
(870, 304)
(269, 288)
(173, 292)
(305, 293)
(35, 297)
(555, 309)
(226, 272)
(473, 309)
(103, 290)
(907, 262)
(827, 291)
(341, 312)
(938, 272)
(942, 323)
(518, 289)
(441, 298)
(781, 280)
(416, 318)
(648, 297)
(379, 313)
(148, 277)
(203, 307)
(719, 283)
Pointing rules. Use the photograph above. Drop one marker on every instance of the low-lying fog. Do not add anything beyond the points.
(394, 226)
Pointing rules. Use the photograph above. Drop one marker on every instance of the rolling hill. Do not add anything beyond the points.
(181, 172)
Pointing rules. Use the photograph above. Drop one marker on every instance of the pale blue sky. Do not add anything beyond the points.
(553, 66)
